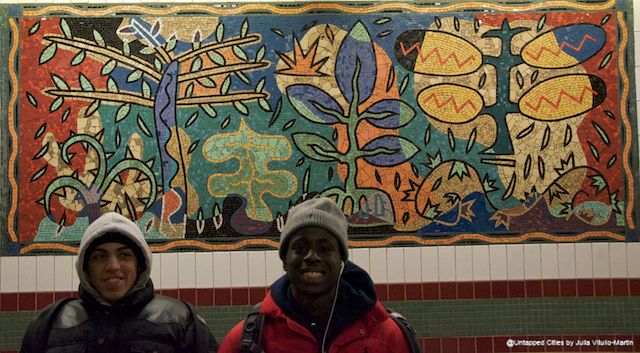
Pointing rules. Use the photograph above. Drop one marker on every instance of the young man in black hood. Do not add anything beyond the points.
(324, 303)
(118, 310)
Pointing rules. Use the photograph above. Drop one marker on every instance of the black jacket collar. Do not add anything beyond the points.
(132, 301)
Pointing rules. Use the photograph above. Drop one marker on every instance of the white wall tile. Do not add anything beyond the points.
(222, 269)
(636, 16)
(633, 260)
(584, 260)
(239, 269)
(156, 270)
(360, 257)
(169, 270)
(481, 267)
(566, 261)
(464, 263)
(75, 280)
(429, 264)
(636, 37)
(63, 278)
(395, 265)
(204, 270)
(274, 268)
(637, 73)
(601, 261)
(386, 265)
(515, 261)
(412, 266)
(257, 269)
(9, 271)
(446, 263)
(378, 263)
(27, 266)
(549, 256)
(44, 273)
(186, 270)
(532, 262)
(618, 258)
(498, 262)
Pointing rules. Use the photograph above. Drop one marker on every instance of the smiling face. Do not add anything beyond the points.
(112, 270)
(312, 262)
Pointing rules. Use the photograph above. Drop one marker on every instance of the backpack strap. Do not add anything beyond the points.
(251, 341)
(408, 331)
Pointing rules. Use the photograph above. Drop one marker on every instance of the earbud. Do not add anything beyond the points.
(341, 266)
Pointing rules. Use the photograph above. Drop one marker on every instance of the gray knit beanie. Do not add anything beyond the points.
(321, 212)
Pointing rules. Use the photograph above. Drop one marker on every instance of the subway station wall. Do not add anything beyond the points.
(485, 154)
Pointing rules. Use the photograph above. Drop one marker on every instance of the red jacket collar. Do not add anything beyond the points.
(374, 317)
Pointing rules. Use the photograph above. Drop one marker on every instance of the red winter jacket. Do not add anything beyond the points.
(372, 332)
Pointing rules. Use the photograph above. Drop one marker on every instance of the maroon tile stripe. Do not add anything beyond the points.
(616, 287)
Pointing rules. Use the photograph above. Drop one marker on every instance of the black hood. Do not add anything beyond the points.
(356, 296)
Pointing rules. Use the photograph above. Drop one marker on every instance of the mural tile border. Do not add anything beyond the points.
(362, 238)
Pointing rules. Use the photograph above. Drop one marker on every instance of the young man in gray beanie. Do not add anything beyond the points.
(118, 310)
(324, 303)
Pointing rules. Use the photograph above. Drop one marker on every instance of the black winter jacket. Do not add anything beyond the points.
(141, 322)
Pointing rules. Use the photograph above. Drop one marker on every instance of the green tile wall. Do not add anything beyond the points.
(492, 317)
(12, 327)
(222, 319)
(448, 318)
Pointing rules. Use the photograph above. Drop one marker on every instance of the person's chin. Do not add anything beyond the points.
(113, 294)
(314, 289)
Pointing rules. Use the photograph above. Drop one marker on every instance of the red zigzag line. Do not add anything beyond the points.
(435, 51)
(562, 93)
(449, 100)
(563, 45)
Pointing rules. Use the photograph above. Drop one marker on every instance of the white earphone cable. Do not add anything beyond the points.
(333, 307)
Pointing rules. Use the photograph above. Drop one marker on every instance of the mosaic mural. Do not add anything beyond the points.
(426, 125)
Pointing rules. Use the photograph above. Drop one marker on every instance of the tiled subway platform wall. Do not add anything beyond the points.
(458, 297)
(471, 298)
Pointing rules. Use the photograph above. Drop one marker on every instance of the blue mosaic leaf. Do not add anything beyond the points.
(391, 151)
(389, 114)
(356, 59)
(314, 104)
